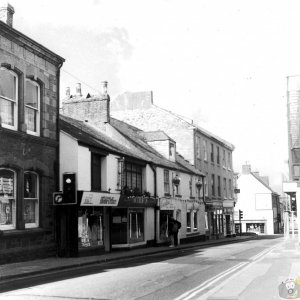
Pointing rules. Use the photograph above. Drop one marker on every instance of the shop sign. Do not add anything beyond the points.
(167, 204)
(99, 199)
(228, 210)
(137, 201)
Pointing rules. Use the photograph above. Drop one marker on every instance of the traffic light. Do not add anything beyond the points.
(240, 214)
(293, 204)
(69, 188)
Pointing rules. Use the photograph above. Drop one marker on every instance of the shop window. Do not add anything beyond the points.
(206, 221)
(195, 220)
(31, 200)
(32, 107)
(96, 172)
(8, 98)
(136, 225)
(188, 221)
(7, 199)
(90, 227)
(133, 177)
(166, 181)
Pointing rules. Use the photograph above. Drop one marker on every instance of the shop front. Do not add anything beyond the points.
(229, 228)
(216, 221)
(93, 220)
(133, 221)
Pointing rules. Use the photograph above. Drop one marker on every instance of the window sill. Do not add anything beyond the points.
(167, 195)
(178, 196)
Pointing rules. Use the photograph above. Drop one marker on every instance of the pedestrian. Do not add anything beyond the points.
(173, 227)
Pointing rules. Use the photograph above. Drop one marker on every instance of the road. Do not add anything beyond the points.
(246, 270)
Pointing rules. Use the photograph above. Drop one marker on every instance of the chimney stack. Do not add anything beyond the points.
(6, 13)
(68, 92)
(78, 90)
(103, 87)
(246, 169)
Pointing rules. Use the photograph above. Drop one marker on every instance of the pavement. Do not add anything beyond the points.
(13, 271)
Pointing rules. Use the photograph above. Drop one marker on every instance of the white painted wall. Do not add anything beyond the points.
(255, 200)
(84, 169)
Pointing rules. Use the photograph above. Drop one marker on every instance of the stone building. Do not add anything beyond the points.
(207, 152)
(29, 111)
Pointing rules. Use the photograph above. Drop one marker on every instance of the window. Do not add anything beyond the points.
(212, 152)
(195, 220)
(120, 173)
(96, 172)
(188, 221)
(32, 107)
(219, 186)
(7, 199)
(198, 149)
(191, 186)
(218, 155)
(8, 98)
(205, 187)
(136, 225)
(31, 200)
(133, 176)
(166, 181)
(206, 221)
(225, 187)
(171, 150)
(204, 150)
(230, 188)
(224, 159)
(229, 161)
(296, 170)
(213, 184)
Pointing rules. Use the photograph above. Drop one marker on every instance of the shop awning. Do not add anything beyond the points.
(99, 199)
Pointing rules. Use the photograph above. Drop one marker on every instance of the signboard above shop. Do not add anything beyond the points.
(99, 199)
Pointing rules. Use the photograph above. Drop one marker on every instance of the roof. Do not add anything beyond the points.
(263, 183)
(158, 135)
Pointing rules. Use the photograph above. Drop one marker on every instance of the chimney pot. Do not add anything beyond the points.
(78, 90)
(68, 92)
(6, 13)
(103, 86)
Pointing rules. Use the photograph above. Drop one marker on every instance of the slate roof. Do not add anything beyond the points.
(139, 149)
(263, 183)
(158, 135)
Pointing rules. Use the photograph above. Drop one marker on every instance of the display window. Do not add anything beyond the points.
(163, 226)
(31, 200)
(136, 225)
(90, 227)
(7, 199)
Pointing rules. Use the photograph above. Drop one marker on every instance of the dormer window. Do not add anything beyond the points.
(172, 150)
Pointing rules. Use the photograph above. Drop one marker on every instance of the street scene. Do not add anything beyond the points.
(149, 150)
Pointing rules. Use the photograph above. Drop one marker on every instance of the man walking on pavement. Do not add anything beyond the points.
(173, 227)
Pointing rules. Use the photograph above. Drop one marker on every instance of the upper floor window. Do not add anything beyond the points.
(212, 152)
(198, 148)
(191, 186)
(8, 98)
(172, 150)
(7, 199)
(32, 107)
(224, 158)
(204, 150)
(230, 188)
(225, 187)
(205, 187)
(219, 186)
(218, 155)
(229, 161)
(166, 181)
(31, 200)
(96, 172)
(213, 184)
(133, 176)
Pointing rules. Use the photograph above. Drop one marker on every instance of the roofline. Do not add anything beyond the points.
(30, 44)
(262, 182)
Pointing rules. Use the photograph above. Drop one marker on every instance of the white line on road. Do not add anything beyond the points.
(206, 284)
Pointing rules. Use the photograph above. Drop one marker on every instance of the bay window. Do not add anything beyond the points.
(8, 98)
(7, 199)
(31, 200)
(32, 107)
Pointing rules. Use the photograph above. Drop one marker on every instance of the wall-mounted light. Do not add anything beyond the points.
(176, 180)
(198, 184)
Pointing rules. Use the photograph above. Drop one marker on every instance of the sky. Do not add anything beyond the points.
(223, 64)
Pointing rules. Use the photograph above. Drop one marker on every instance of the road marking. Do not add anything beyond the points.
(206, 284)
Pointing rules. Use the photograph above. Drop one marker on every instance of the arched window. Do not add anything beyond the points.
(7, 199)
(8, 98)
(32, 107)
(31, 200)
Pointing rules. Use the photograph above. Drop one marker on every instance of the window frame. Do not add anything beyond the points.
(36, 110)
(16, 101)
(213, 184)
(13, 199)
(138, 172)
(37, 206)
(166, 181)
(212, 153)
(98, 186)
(219, 186)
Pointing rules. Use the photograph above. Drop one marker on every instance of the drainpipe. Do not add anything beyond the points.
(156, 207)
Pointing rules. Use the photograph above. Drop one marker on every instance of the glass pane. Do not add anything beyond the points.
(136, 225)
(6, 183)
(30, 210)
(31, 119)
(8, 83)
(7, 208)
(188, 221)
(31, 94)
(7, 112)
(30, 185)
